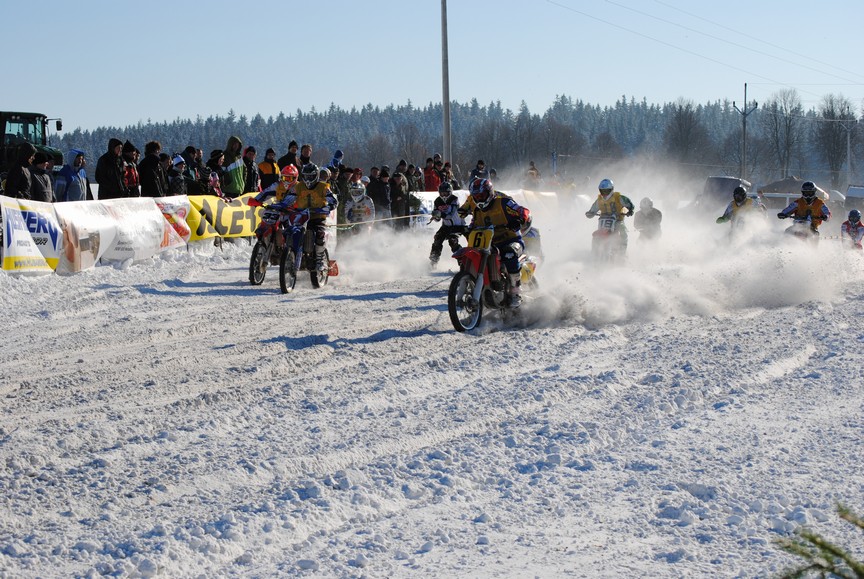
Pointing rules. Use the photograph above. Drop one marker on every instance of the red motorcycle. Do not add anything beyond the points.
(271, 241)
(606, 243)
(482, 280)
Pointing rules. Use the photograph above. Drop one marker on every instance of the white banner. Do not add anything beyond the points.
(89, 229)
(140, 229)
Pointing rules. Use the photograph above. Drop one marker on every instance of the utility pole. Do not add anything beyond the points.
(445, 82)
(744, 113)
(849, 129)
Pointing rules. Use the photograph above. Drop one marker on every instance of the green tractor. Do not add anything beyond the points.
(26, 128)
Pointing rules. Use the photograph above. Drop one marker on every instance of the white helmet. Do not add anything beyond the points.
(357, 190)
(606, 186)
(646, 204)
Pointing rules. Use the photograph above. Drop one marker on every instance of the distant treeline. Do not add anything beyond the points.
(698, 139)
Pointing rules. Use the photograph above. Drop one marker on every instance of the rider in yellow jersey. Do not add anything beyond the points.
(494, 208)
(741, 207)
(284, 187)
(611, 202)
(315, 196)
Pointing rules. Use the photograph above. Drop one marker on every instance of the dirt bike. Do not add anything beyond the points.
(851, 244)
(606, 243)
(300, 255)
(482, 280)
(802, 228)
(271, 240)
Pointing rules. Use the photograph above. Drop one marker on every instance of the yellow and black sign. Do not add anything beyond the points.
(212, 216)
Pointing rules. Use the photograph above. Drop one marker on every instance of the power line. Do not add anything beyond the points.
(815, 119)
(670, 45)
(798, 54)
(718, 38)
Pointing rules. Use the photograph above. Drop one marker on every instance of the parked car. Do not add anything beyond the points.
(779, 194)
(854, 197)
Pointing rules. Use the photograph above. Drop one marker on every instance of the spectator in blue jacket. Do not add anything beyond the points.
(72, 182)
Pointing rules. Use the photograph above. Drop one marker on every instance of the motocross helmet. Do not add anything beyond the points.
(606, 186)
(310, 175)
(854, 216)
(739, 194)
(445, 188)
(808, 190)
(482, 192)
(646, 204)
(289, 175)
(356, 190)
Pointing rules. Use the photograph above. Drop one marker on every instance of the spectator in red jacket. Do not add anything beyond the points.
(431, 176)
(130, 170)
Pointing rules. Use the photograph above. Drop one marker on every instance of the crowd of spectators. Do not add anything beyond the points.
(122, 172)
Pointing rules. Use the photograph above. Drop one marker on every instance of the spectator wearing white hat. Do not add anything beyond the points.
(176, 181)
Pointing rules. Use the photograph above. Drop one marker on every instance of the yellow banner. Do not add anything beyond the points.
(211, 216)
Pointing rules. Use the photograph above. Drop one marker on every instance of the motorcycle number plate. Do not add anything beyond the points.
(480, 238)
(606, 223)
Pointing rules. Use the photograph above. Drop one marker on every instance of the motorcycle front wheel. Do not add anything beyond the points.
(258, 262)
(605, 249)
(465, 313)
(287, 271)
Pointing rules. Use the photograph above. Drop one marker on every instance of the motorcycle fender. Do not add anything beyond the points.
(263, 230)
(460, 254)
(468, 259)
(526, 272)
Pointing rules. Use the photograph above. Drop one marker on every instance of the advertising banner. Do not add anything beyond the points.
(211, 216)
(32, 237)
(175, 210)
(140, 229)
(89, 229)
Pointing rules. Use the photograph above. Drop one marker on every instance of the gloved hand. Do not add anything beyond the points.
(254, 202)
(720, 220)
(589, 215)
(782, 215)
(436, 215)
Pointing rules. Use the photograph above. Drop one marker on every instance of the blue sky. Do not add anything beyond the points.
(100, 63)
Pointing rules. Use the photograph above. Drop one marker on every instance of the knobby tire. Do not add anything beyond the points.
(463, 318)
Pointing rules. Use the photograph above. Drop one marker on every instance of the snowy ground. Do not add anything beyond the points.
(670, 418)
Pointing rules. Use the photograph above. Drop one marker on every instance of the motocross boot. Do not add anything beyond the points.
(320, 263)
(434, 257)
(515, 290)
